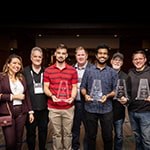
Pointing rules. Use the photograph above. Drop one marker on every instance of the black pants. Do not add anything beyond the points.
(40, 122)
(106, 122)
(79, 117)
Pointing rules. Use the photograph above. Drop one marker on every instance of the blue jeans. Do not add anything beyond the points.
(140, 123)
(118, 139)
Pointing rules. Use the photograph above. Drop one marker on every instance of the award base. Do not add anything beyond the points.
(62, 100)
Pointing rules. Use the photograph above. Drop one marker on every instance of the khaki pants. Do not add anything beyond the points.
(62, 121)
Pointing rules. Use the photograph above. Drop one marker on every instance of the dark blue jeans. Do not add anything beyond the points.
(79, 117)
(106, 122)
(40, 122)
(140, 123)
(118, 139)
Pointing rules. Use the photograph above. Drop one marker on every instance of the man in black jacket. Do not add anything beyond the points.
(118, 108)
(34, 77)
(139, 102)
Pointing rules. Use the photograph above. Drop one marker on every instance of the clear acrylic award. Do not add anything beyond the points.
(63, 91)
(121, 89)
(143, 90)
(96, 91)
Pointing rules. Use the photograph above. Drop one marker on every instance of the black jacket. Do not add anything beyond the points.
(118, 108)
(132, 86)
(38, 101)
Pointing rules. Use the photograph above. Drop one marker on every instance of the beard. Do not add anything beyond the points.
(60, 61)
(116, 67)
(101, 62)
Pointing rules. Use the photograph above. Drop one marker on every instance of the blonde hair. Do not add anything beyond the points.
(8, 61)
(81, 48)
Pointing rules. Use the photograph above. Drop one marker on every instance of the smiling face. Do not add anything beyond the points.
(36, 57)
(14, 66)
(139, 61)
(61, 55)
(81, 57)
(116, 63)
(102, 55)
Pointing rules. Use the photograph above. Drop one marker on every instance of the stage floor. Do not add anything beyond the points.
(128, 138)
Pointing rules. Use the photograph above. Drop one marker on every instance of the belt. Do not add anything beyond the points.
(17, 106)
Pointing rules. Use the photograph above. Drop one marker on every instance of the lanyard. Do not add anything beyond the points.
(33, 77)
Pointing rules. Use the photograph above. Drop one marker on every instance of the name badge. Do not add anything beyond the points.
(38, 88)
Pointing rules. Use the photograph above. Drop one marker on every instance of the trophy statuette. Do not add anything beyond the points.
(63, 91)
(96, 91)
(121, 89)
(143, 90)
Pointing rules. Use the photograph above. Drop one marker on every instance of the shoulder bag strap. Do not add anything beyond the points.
(8, 109)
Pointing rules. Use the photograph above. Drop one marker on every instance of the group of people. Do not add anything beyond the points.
(22, 89)
(66, 96)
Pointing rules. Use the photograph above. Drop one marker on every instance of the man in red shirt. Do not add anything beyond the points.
(60, 85)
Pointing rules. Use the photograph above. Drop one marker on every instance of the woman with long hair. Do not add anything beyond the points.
(13, 90)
